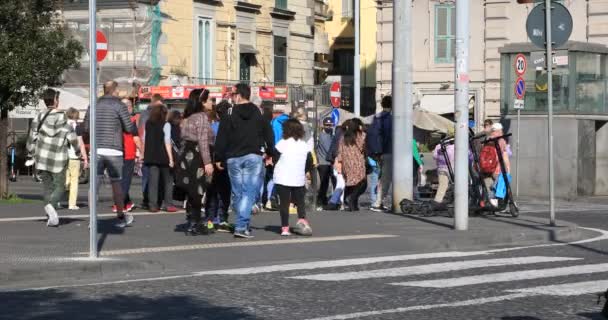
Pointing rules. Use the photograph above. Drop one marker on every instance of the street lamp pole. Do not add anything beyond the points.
(357, 71)
(403, 130)
(93, 253)
(461, 200)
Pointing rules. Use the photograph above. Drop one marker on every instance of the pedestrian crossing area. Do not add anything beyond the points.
(558, 275)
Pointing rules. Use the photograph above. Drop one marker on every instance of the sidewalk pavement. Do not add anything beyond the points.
(156, 245)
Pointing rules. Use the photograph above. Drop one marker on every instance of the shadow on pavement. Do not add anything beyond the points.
(425, 220)
(104, 228)
(592, 315)
(56, 304)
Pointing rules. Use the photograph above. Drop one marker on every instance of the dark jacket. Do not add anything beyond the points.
(333, 149)
(155, 152)
(385, 122)
(111, 119)
(324, 147)
(244, 131)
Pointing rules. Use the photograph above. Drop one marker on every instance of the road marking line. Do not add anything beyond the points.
(240, 244)
(571, 289)
(568, 289)
(337, 263)
(84, 216)
(430, 268)
(507, 276)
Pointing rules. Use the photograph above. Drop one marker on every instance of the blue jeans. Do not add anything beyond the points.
(374, 179)
(246, 178)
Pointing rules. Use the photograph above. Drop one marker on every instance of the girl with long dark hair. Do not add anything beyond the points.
(350, 162)
(159, 158)
(195, 157)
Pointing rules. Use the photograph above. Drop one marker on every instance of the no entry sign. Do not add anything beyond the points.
(335, 95)
(520, 64)
(102, 46)
(520, 88)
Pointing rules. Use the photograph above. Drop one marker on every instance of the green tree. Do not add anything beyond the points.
(34, 52)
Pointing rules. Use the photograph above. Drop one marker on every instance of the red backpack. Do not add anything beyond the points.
(488, 159)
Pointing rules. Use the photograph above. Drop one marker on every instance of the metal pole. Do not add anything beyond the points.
(403, 132)
(461, 183)
(357, 71)
(93, 144)
(517, 154)
(550, 110)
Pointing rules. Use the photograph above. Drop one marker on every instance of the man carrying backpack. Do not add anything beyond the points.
(47, 145)
(380, 148)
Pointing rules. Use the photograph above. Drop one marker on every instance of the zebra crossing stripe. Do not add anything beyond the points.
(338, 263)
(569, 289)
(507, 276)
(431, 268)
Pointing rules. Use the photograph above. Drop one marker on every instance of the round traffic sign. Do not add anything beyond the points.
(561, 25)
(335, 94)
(520, 88)
(102, 46)
(521, 64)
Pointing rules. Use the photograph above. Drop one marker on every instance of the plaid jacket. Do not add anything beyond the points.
(49, 146)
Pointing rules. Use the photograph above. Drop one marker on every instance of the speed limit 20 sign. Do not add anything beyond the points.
(520, 64)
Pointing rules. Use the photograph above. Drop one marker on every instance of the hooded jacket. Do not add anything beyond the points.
(277, 127)
(243, 131)
(49, 145)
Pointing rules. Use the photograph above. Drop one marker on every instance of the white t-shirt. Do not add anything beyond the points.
(71, 152)
(290, 170)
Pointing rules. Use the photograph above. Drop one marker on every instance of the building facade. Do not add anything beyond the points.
(498, 35)
(231, 40)
(494, 24)
(341, 37)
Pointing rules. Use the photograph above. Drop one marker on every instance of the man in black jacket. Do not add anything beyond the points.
(241, 136)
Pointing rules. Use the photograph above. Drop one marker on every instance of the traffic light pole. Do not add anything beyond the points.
(549, 46)
(93, 144)
(461, 179)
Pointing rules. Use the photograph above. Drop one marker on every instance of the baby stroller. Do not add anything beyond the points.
(427, 207)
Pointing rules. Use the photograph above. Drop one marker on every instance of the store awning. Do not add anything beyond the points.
(247, 49)
(441, 103)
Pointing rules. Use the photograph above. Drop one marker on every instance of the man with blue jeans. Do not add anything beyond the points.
(241, 136)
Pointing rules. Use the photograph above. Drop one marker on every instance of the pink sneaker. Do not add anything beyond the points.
(285, 232)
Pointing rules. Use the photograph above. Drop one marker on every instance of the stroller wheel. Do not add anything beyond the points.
(426, 210)
(513, 209)
(450, 212)
(406, 206)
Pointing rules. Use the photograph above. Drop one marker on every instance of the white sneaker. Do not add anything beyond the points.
(494, 202)
(53, 220)
(74, 208)
(126, 222)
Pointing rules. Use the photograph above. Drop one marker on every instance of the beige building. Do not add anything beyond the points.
(249, 40)
(494, 24)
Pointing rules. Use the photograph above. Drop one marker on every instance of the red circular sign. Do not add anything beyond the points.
(335, 94)
(102, 46)
(521, 64)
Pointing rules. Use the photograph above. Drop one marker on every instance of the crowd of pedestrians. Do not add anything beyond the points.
(231, 155)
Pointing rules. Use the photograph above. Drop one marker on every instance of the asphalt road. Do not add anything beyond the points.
(556, 281)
